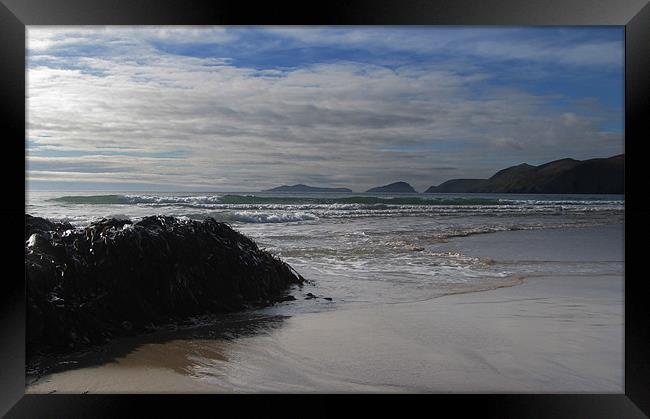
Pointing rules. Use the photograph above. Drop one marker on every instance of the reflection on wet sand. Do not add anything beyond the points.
(179, 348)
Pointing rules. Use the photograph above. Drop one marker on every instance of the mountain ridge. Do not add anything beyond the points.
(592, 176)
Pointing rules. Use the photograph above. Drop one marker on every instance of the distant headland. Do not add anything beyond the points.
(565, 176)
(397, 187)
(305, 188)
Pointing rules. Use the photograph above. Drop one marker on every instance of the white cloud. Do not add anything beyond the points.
(489, 43)
(242, 128)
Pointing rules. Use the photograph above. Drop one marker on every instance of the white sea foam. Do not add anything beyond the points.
(265, 217)
(165, 199)
(31, 241)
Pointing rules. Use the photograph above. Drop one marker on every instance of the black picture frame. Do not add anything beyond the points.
(16, 14)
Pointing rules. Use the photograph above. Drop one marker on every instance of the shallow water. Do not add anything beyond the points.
(364, 248)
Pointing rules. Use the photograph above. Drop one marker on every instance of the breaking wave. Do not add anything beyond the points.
(376, 202)
(282, 209)
(262, 217)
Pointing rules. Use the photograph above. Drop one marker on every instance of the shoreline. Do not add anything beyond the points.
(545, 333)
(187, 325)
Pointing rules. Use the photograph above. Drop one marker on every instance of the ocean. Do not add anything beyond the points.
(366, 248)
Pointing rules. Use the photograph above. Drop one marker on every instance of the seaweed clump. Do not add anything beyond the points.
(116, 277)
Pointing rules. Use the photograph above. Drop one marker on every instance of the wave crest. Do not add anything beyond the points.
(263, 217)
(252, 199)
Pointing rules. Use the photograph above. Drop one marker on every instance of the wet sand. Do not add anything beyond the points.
(552, 334)
(548, 335)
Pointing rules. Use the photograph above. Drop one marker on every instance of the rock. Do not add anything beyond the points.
(116, 277)
(327, 298)
(288, 298)
(40, 225)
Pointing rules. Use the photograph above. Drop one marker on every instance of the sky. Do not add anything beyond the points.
(210, 108)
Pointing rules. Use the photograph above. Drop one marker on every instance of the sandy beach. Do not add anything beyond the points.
(555, 334)
(325, 209)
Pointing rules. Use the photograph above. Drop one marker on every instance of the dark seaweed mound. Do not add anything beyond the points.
(116, 277)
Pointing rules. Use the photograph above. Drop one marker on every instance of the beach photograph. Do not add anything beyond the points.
(324, 209)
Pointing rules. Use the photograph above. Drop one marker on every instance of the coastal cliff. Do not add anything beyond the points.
(117, 277)
(565, 176)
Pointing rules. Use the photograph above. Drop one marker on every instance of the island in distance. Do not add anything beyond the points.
(305, 188)
(566, 176)
(397, 187)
